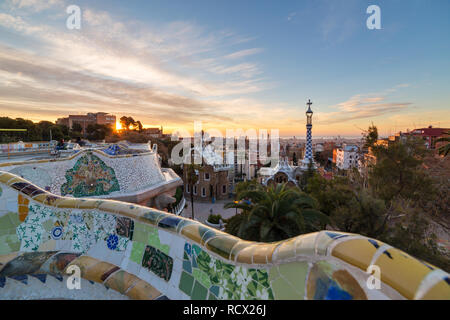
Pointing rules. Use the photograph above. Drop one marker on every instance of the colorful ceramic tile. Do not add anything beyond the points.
(90, 176)
(199, 292)
(27, 263)
(294, 274)
(401, 271)
(186, 283)
(158, 262)
(142, 291)
(326, 282)
(358, 252)
(125, 227)
(222, 245)
(440, 291)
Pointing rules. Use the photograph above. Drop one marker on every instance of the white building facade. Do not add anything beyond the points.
(347, 157)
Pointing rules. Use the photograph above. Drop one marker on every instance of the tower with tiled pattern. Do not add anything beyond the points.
(308, 152)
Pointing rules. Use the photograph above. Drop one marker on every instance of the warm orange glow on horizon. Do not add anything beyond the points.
(118, 126)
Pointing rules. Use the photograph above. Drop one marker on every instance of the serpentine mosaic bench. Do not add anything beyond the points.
(130, 251)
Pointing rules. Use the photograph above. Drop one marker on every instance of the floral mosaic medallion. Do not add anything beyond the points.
(157, 262)
(90, 176)
(112, 241)
(205, 277)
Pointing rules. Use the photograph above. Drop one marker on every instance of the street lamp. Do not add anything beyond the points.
(236, 202)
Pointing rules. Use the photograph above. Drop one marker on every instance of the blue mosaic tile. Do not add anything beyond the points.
(169, 222)
(57, 277)
(187, 266)
(214, 290)
(336, 293)
(22, 278)
(187, 248)
(41, 277)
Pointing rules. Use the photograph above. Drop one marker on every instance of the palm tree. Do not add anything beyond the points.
(445, 148)
(275, 213)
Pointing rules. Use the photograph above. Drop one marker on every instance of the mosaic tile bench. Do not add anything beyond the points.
(94, 173)
(129, 251)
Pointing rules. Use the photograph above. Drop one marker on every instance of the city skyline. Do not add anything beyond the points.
(230, 64)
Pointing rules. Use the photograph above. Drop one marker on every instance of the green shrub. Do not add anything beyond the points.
(214, 218)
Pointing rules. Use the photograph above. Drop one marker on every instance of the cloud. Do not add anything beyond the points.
(165, 55)
(362, 106)
(243, 53)
(35, 5)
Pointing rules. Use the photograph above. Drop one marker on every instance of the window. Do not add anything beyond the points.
(187, 189)
(224, 189)
(206, 176)
(203, 192)
(195, 190)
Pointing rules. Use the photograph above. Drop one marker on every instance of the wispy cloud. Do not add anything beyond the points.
(243, 53)
(364, 106)
(175, 71)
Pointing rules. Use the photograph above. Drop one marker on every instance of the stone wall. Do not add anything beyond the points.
(144, 253)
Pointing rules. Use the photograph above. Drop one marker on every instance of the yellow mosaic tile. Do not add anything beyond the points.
(5, 177)
(357, 252)
(49, 245)
(14, 180)
(66, 203)
(109, 206)
(121, 281)
(263, 254)
(87, 204)
(242, 244)
(246, 254)
(440, 291)
(192, 232)
(401, 271)
(222, 245)
(84, 263)
(305, 244)
(92, 271)
(143, 291)
(325, 238)
(285, 250)
(40, 197)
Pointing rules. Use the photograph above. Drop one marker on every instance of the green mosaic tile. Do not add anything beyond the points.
(283, 291)
(141, 233)
(90, 176)
(202, 277)
(211, 296)
(186, 283)
(137, 252)
(9, 243)
(295, 273)
(199, 292)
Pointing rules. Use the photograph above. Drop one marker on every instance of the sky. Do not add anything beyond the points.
(249, 64)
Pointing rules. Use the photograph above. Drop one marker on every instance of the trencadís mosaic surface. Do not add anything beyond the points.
(94, 173)
(129, 251)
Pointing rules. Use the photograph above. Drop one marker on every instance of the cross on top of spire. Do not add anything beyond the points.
(309, 103)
